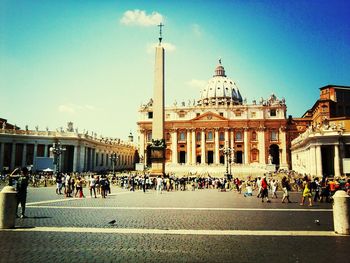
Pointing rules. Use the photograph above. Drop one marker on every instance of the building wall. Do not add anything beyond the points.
(20, 148)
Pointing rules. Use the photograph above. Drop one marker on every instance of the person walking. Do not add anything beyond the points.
(144, 183)
(258, 184)
(59, 184)
(103, 184)
(68, 189)
(21, 188)
(79, 187)
(159, 184)
(317, 189)
(274, 185)
(264, 190)
(92, 185)
(286, 188)
(306, 192)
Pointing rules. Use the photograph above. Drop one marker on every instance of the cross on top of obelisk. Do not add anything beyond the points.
(160, 33)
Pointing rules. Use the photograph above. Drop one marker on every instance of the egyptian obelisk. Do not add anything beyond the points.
(158, 143)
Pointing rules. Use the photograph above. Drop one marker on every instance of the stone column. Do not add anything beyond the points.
(203, 146)
(217, 154)
(35, 153)
(82, 159)
(174, 146)
(142, 145)
(13, 156)
(246, 148)
(45, 150)
(75, 159)
(194, 144)
(188, 141)
(91, 159)
(97, 161)
(319, 172)
(261, 141)
(2, 147)
(24, 155)
(336, 161)
(312, 161)
(283, 148)
(232, 141)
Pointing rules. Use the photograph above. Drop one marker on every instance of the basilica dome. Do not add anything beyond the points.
(220, 89)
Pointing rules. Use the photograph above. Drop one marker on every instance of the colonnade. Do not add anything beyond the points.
(76, 158)
(309, 160)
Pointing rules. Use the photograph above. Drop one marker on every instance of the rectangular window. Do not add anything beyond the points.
(273, 113)
(254, 136)
(273, 136)
(210, 136)
(221, 114)
(253, 114)
(198, 114)
(238, 136)
(238, 113)
(182, 136)
(149, 136)
(198, 136)
(150, 115)
(222, 136)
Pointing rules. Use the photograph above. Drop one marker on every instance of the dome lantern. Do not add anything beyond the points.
(220, 88)
(220, 70)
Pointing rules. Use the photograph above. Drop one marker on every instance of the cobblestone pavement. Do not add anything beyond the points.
(77, 230)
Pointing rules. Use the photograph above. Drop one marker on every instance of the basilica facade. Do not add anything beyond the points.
(202, 131)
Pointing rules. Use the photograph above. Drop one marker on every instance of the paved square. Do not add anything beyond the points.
(189, 226)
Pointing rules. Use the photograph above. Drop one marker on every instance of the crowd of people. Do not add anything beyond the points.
(265, 187)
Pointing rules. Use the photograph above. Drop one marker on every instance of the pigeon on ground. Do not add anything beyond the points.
(112, 222)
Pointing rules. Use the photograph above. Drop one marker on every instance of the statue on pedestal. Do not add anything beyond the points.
(270, 159)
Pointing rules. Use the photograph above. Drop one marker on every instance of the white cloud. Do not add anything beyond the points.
(66, 108)
(74, 108)
(197, 83)
(141, 18)
(197, 30)
(167, 46)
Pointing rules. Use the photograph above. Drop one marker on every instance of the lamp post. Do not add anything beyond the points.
(228, 151)
(57, 149)
(114, 157)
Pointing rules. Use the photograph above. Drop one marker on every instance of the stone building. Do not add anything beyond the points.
(84, 151)
(197, 132)
(324, 148)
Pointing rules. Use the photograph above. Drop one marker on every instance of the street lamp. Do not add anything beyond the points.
(57, 149)
(114, 157)
(228, 151)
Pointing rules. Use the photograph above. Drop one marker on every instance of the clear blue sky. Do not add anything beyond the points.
(91, 62)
